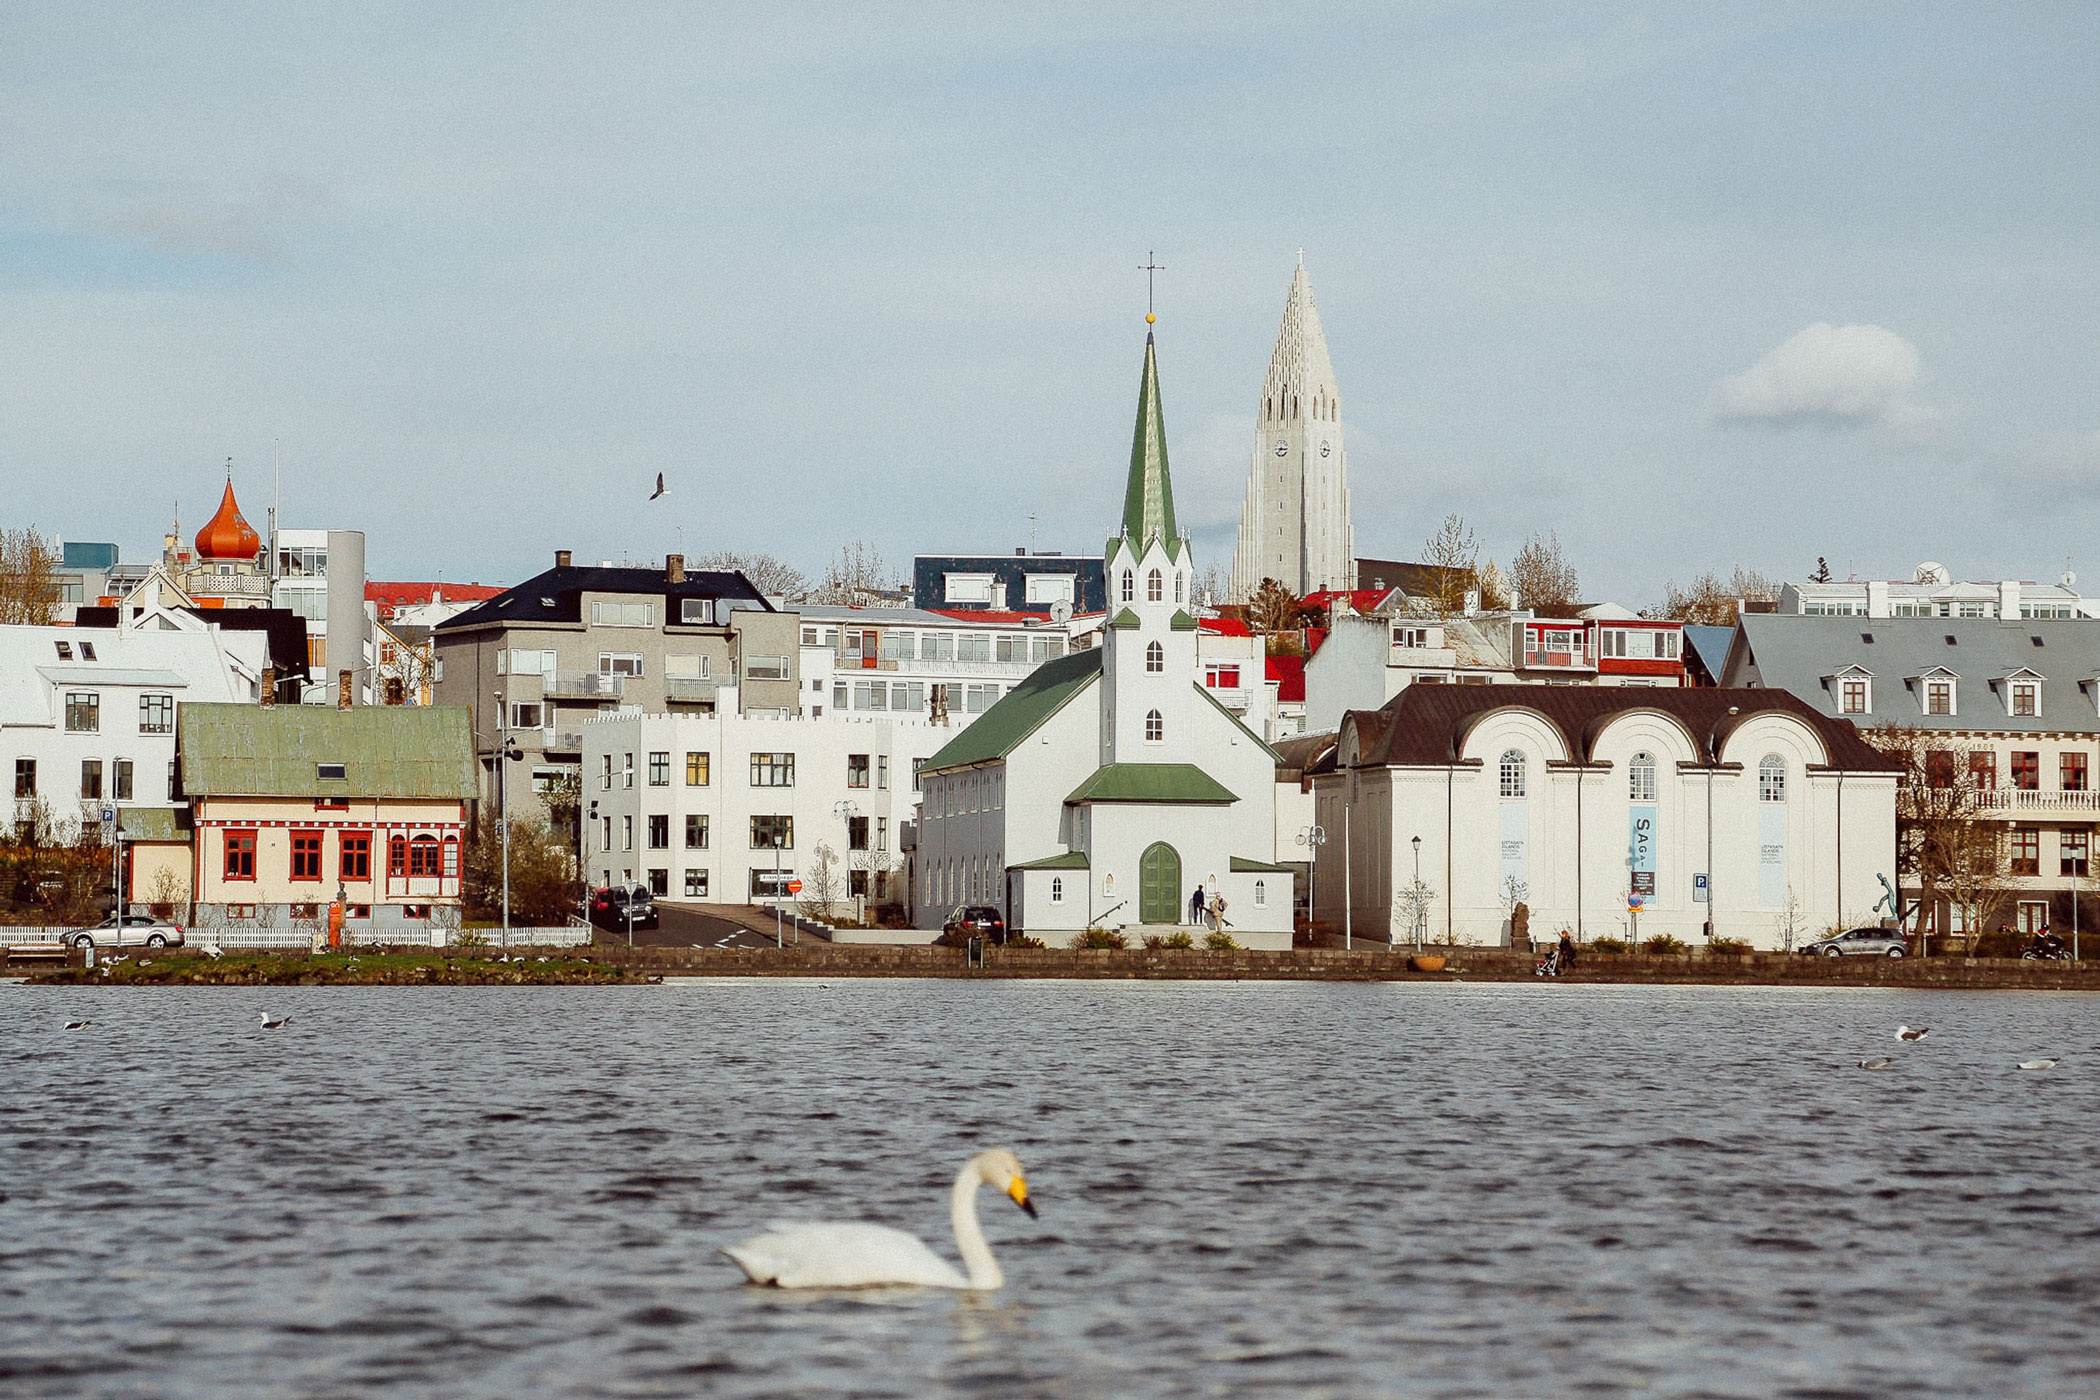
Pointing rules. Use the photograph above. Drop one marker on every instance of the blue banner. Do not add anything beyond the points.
(1640, 848)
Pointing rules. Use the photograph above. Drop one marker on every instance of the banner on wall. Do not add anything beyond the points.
(1640, 848)
(1771, 855)
(1516, 833)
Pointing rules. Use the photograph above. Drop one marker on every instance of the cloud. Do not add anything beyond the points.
(2065, 465)
(1833, 376)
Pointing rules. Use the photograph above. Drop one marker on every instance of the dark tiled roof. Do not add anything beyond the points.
(557, 594)
(1427, 724)
(1415, 580)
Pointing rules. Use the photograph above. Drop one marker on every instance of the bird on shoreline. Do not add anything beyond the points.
(2050, 1063)
(1908, 1034)
(1878, 1062)
(270, 1025)
(852, 1254)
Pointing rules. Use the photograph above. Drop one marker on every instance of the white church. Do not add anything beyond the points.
(1107, 787)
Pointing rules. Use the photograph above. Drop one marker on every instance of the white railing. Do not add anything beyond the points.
(20, 933)
(582, 685)
(686, 688)
(2037, 800)
(936, 670)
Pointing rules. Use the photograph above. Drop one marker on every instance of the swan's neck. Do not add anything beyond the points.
(978, 1263)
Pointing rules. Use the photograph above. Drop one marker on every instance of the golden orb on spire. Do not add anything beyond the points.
(1150, 318)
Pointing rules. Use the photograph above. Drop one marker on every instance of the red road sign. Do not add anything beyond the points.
(794, 887)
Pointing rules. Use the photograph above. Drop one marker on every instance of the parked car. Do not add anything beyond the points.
(974, 921)
(136, 931)
(622, 909)
(1873, 942)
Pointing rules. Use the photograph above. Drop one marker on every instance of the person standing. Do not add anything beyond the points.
(1217, 913)
(1565, 961)
(1196, 906)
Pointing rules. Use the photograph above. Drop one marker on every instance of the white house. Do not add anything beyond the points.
(918, 663)
(1110, 784)
(1572, 798)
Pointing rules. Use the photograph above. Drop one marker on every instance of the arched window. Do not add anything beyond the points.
(451, 857)
(1771, 778)
(1155, 657)
(397, 856)
(1640, 778)
(1261, 894)
(1155, 587)
(1155, 727)
(1177, 585)
(1057, 889)
(423, 856)
(1129, 586)
(1512, 773)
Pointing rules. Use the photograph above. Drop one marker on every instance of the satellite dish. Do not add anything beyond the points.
(1934, 573)
(2069, 580)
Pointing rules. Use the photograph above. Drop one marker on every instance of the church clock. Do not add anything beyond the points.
(1283, 449)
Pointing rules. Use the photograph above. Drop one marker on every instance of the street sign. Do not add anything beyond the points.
(1644, 882)
(1699, 888)
(794, 887)
(109, 815)
(1635, 902)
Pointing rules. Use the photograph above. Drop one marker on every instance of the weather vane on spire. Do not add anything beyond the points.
(1152, 265)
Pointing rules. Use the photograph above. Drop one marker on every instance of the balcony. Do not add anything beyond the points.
(227, 585)
(563, 741)
(2000, 801)
(1547, 659)
(941, 670)
(688, 690)
(582, 685)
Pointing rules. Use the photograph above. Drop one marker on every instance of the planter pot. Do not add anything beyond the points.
(1426, 962)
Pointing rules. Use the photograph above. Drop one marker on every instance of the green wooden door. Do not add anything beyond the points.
(1159, 885)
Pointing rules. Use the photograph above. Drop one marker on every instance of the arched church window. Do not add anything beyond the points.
(1512, 773)
(1155, 658)
(1177, 585)
(1129, 586)
(1640, 778)
(1261, 894)
(1155, 727)
(1057, 889)
(1155, 587)
(1771, 778)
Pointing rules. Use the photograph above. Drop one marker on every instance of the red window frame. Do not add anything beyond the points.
(425, 858)
(2071, 771)
(1983, 769)
(240, 854)
(2026, 769)
(306, 855)
(397, 857)
(2027, 850)
(354, 855)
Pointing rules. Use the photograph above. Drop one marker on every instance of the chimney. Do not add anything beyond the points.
(344, 680)
(1877, 598)
(674, 568)
(2009, 598)
(269, 685)
(561, 558)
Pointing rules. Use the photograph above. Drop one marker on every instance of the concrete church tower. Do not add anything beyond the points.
(1295, 526)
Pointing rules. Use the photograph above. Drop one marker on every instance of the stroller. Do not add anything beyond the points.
(1548, 966)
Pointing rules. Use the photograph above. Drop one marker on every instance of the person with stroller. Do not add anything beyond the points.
(1560, 958)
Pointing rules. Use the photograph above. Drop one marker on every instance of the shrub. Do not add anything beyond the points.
(1727, 945)
(1219, 942)
(1100, 938)
(1662, 943)
(1608, 945)
(470, 939)
(2004, 943)
(1180, 938)
(1022, 940)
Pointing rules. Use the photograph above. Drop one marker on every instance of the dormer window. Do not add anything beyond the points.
(1853, 689)
(1939, 696)
(2026, 698)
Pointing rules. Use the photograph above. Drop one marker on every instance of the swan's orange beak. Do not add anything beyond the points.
(1019, 1191)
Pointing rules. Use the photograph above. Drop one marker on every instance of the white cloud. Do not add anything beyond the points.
(2068, 464)
(1841, 376)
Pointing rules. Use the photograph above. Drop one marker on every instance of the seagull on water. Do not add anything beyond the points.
(83, 1025)
(1878, 1062)
(659, 486)
(270, 1025)
(1906, 1033)
(2050, 1063)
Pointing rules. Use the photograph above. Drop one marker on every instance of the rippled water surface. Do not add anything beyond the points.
(1293, 1189)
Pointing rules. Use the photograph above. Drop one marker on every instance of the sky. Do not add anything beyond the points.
(1692, 286)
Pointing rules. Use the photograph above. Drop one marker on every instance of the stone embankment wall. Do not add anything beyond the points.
(1334, 964)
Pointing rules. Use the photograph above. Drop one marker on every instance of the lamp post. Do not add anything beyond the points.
(1416, 901)
(510, 752)
(1312, 838)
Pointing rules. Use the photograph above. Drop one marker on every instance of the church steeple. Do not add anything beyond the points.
(1148, 501)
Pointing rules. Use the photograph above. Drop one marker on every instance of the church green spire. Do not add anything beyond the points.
(1148, 501)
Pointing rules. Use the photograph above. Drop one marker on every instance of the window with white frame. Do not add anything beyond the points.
(1771, 778)
(1261, 894)
(1057, 889)
(1640, 778)
(967, 588)
(2026, 698)
(1512, 767)
(696, 884)
(156, 714)
(1939, 696)
(620, 663)
(1155, 658)
(1155, 727)
(1155, 587)
(612, 613)
(1852, 695)
(1411, 637)
(1045, 589)
(1129, 586)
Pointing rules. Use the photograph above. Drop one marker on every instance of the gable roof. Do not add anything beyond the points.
(1020, 712)
(1152, 782)
(1289, 674)
(557, 595)
(276, 750)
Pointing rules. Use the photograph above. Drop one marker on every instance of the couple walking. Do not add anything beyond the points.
(1207, 913)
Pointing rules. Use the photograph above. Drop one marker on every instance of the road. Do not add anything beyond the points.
(687, 928)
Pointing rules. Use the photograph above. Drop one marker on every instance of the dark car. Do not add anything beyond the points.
(1868, 942)
(136, 931)
(974, 921)
(623, 909)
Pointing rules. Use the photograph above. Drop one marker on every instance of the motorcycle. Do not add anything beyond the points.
(2046, 949)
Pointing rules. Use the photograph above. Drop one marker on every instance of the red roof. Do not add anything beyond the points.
(994, 618)
(1289, 674)
(1225, 626)
(1361, 599)
(403, 595)
(227, 535)
(1315, 638)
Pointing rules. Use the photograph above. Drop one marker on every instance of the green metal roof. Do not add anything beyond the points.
(1068, 860)
(1148, 501)
(1242, 865)
(1019, 712)
(154, 823)
(1125, 619)
(1151, 782)
(277, 750)
(1182, 622)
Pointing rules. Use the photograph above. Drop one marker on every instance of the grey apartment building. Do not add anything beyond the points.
(572, 643)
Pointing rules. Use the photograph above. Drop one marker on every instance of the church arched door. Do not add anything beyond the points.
(1159, 885)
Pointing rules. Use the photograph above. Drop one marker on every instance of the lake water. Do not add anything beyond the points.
(1246, 1189)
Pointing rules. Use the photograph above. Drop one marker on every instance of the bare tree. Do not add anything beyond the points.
(1542, 574)
(857, 578)
(822, 889)
(28, 578)
(771, 576)
(1210, 587)
(1944, 839)
(1411, 905)
(1494, 587)
(1274, 609)
(1454, 553)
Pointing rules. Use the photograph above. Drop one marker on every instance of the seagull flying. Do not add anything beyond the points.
(1906, 1033)
(83, 1025)
(270, 1025)
(659, 486)
(1878, 1062)
(2024, 1064)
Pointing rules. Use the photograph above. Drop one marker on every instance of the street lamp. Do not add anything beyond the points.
(508, 749)
(1312, 838)
(1416, 900)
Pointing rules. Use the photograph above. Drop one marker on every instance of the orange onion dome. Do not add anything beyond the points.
(226, 535)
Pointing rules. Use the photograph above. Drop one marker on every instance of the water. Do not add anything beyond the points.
(1246, 1189)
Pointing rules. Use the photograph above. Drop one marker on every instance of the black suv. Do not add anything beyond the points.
(614, 909)
(974, 921)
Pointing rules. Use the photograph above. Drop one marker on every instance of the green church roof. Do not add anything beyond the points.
(1151, 782)
(1148, 501)
(1019, 712)
(1240, 865)
(1064, 860)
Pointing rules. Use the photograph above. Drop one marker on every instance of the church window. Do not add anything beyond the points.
(1155, 727)
(1261, 894)
(1177, 585)
(1057, 889)
(1155, 587)
(1640, 778)
(1129, 586)
(1771, 779)
(1155, 658)
(1512, 773)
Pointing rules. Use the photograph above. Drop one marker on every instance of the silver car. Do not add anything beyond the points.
(135, 931)
(1873, 942)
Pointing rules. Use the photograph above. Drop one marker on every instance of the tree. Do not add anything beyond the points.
(1411, 905)
(822, 889)
(1273, 609)
(1542, 574)
(1822, 572)
(1709, 601)
(769, 575)
(28, 578)
(1454, 553)
(1945, 842)
(1494, 588)
(1209, 587)
(856, 578)
(542, 879)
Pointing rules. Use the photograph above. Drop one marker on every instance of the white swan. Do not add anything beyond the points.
(849, 1254)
